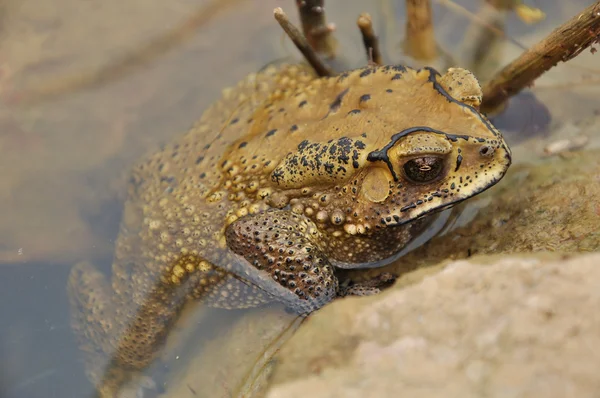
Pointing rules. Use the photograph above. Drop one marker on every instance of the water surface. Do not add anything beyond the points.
(87, 89)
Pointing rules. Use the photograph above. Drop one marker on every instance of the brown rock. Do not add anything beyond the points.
(516, 327)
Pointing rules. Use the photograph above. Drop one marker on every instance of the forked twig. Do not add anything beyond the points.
(316, 29)
(370, 40)
(563, 44)
(301, 43)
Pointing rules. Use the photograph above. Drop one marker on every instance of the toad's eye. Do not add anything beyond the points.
(423, 169)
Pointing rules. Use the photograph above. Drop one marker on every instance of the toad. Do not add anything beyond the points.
(286, 178)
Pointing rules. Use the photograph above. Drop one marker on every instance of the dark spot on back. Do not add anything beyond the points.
(302, 145)
(354, 112)
(337, 102)
(343, 76)
(271, 132)
(243, 144)
(169, 179)
(302, 103)
(365, 97)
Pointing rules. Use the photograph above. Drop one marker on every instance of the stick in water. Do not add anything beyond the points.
(316, 30)
(563, 44)
(370, 40)
(420, 39)
(301, 43)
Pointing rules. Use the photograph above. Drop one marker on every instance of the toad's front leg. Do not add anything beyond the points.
(286, 253)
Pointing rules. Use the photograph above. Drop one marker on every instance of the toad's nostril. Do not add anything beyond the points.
(486, 151)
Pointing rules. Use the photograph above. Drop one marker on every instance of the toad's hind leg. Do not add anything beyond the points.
(91, 315)
(287, 258)
(95, 324)
(122, 331)
(119, 336)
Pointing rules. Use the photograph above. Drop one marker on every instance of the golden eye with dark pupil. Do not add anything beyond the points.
(423, 169)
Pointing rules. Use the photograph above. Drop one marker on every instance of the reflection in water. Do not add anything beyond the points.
(524, 118)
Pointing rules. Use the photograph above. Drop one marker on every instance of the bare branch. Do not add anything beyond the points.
(370, 40)
(420, 40)
(301, 43)
(563, 44)
(316, 30)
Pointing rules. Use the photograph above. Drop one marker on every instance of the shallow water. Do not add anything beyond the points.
(71, 130)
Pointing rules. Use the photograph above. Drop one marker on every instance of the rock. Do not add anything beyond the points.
(496, 326)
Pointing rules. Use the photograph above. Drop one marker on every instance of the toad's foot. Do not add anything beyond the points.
(286, 250)
(367, 288)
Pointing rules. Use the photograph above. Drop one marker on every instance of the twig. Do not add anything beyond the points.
(301, 43)
(563, 44)
(370, 40)
(315, 27)
(420, 40)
